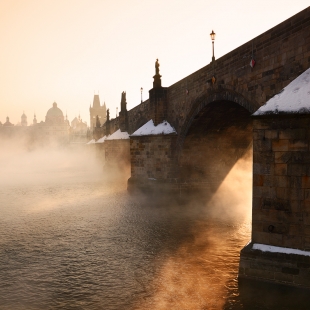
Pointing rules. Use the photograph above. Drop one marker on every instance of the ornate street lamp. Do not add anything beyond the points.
(141, 89)
(212, 35)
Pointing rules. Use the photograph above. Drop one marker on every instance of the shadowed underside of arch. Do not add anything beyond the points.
(217, 134)
(214, 95)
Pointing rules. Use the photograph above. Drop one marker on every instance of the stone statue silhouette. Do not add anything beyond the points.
(157, 67)
(123, 96)
(123, 102)
(97, 122)
(108, 114)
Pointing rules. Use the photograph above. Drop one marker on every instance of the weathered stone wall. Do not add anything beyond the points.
(138, 116)
(281, 181)
(117, 153)
(281, 200)
(153, 157)
(280, 268)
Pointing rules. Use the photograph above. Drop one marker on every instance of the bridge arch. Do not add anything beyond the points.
(216, 133)
(214, 95)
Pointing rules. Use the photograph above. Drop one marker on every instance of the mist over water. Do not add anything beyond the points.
(49, 164)
(202, 271)
(72, 238)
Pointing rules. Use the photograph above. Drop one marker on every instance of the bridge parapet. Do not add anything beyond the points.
(281, 53)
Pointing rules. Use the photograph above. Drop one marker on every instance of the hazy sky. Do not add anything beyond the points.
(64, 50)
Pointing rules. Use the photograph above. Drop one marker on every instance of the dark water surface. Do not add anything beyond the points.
(86, 244)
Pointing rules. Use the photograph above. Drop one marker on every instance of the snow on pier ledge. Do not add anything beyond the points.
(149, 128)
(118, 135)
(277, 249)
(101, 140)
(294, 98)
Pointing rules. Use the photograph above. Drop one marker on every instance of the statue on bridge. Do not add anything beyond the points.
(157, 76)
(123, 102)
(98, 125)
(157, 67)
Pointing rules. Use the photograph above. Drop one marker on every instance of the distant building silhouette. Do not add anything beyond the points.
(95, 110)
(55, 126)
(23, 119)
(7, 123)
(79, 130)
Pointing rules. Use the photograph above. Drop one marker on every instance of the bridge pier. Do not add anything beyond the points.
(279, 251)
(153, 161)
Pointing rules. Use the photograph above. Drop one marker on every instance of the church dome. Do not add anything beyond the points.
(7, 123)
(24, 119)
(54, 115)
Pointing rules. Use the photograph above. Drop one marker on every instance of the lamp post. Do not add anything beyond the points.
(141, 89)
(212, 35)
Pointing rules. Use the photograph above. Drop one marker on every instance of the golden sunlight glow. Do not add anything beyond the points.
(64, 51)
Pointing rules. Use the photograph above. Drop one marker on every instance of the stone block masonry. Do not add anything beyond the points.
(153, 162)
(280, 268)
(281, 181)
(117, 154)
(281, 200)
(153, 157)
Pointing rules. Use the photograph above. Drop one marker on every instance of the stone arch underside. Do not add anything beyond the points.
(217, 134)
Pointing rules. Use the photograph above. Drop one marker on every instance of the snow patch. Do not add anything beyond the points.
(118, 135)
(101, 140)
(277, 249)
(294, 98)
(149, 128)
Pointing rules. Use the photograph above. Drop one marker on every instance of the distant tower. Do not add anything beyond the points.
(66, 120)
(95, 110)
(24, 119)
(34, 119)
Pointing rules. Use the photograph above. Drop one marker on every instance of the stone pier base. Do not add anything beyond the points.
(278, 268)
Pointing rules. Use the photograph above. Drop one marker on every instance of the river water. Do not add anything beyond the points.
(73, 239)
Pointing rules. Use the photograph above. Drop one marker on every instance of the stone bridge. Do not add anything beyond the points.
(211, 109)
(211, 112)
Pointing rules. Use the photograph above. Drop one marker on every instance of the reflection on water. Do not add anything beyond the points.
(76, 242)
(86, 246)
